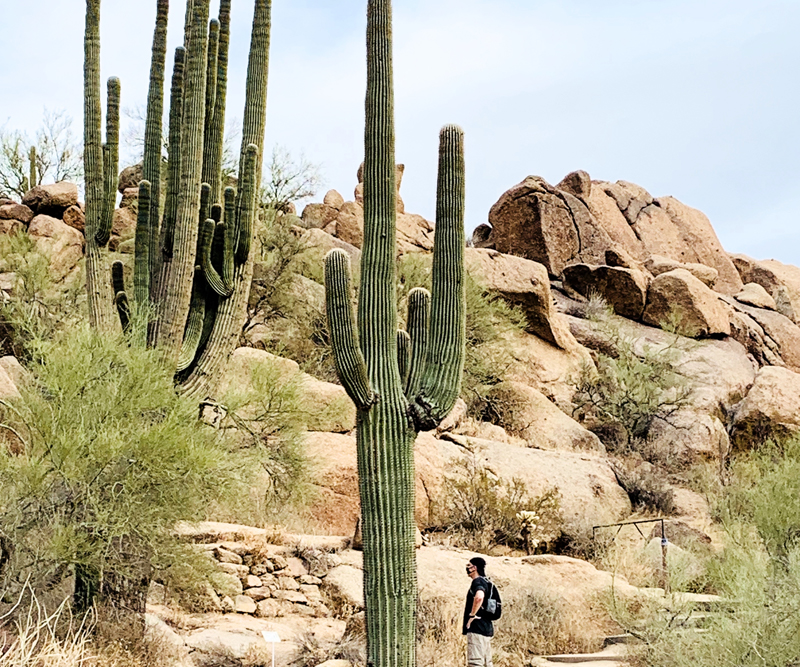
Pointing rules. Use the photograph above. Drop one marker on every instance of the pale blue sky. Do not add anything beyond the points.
(692, 98)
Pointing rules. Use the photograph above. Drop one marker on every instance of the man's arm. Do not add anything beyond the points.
(476, 605)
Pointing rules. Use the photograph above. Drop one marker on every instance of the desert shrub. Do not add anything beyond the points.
(479, 511)
(488, 316)
(535, 623)
(646, 487)
(629, 390)
(37, 309)
(111, 457)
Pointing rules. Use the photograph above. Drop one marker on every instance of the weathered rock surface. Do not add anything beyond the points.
(318, 216)
(625, 290)
(656, 264)
(677, 297)
(770, 409)
(8, 388)
(58, 241)
(753, 294)
(769, 336)
(782, 282)
(522, 282)
(525, 412)
(51, 199)
(333, 199)
(75, 218)
(14, 211)
(130, 176)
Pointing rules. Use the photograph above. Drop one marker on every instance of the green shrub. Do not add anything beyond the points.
(629, 389)
(110, 459)
(479, 511)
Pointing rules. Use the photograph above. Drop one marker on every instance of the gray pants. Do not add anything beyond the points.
(479, 650)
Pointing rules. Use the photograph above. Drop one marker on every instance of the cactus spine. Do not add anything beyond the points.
(192, 267)
(396, 396)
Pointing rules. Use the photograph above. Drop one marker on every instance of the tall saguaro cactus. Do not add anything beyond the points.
(193, 266)
(398, 388)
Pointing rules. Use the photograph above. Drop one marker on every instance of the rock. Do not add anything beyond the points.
(771, 408)
(770, 337)
(288, 584)
(524, 283)
(624, 260)
(754, 294)
(129, 177)
(453, 419)
(689, 436)
(11, 226)
(317, 216)
(414, 233)
(681, 534)
(123, 226)
(625, 290)
(350, 224)
(14, 211)
(295, 597)
(225, 556)
(15, 370)
(696, 309)
(171, 643)
(578, 183)
(8, 388)
(782, 282)
(333, 199)
(60, 242)
(525, 412)
(608, 215)
(75, 218)
(656, 264)
(218, 647)
(226, 584)
(269, 609)
(130, 198)
(706, 249)
(358, 194)
(251, 581)
(244, 605)
(482, 237)
(51, 199)
(259, 593)
(345, 583)
(239, 571)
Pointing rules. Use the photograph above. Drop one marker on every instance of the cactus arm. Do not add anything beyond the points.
(419, 310)
(347, 355)
(229, 217)
(118, 277)
(444, 366)
(110, 152)
(208, 232)
(174, 153)
(194, 324)
(216, 131)
(33, 181)
(247, 205)
(123, 310)
(211, 92)
(151, 166)
(403, 355)
(141, 260)
(98, 291)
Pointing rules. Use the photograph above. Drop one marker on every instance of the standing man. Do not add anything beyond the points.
(479, 631)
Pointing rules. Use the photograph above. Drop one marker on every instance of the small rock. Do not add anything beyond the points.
(288, 584)
(239, 571)
(130, 198)
(228, 605)
(251, 581)
(309, 580)
(225, 556)
(75, 218)
(258, 594)
(310, 591)
(260, 569)
(129, 177)
(278, 562)
(268, 579)
(291, 596)
(244, 604)
(296, 567)
(578, 183)
(333, 199)
(269, 609)
(754, 294)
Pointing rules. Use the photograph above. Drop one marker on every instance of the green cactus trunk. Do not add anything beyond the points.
(396, 396)
(33, 180)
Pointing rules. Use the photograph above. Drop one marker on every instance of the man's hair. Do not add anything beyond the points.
(480, 565)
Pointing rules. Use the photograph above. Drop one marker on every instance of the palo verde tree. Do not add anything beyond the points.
(401, 382)
(192, 264)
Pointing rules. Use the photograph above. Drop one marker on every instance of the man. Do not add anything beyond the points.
(479, 631)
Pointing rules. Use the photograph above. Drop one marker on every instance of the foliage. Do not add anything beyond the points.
(646, 488)
(630, 388)
(288, 180)
(488, 318)
(37, 309)
(58, 155)
(479, 510)
(111, 457)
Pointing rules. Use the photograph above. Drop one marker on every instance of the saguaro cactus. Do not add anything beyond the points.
(193, 266)
(398, 388)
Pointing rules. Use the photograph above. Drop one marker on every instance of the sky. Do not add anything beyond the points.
(697, 99)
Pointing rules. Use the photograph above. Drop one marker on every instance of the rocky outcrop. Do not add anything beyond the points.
(625, 290)
(51, 200)
(679, 299)
(772, 338)
(781, 281)
(524, 283)
(579, 220)
(770, 409)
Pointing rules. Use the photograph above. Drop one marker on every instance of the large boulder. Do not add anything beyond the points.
(605, 210)
(75, 217)
(123, 226)
(625, 290)
(772, 338)
(770, 409)
(129, 177)
(782, 282)
(318, 216)
(522, 282)
(525, 412)
(58, 241)
(14, 211)
(656, 265)
(349, 224)
(51, 199)
(678, 298)
(753, 294)
(414, 233)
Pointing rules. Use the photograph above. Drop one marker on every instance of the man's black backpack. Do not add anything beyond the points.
(492, 605)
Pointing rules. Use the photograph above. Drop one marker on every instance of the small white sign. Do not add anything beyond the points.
(270, 637)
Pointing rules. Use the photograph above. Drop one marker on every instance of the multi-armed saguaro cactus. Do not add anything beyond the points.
(192, 265)
(401, 382)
